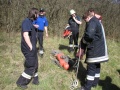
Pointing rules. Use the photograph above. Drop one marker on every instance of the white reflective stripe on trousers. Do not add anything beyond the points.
(97, 75)
(75, 45)
(90, 77)
(70, 45)
(41, 52)
(36, 74)
(25, 75)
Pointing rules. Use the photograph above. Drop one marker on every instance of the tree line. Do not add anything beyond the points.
(57, 12)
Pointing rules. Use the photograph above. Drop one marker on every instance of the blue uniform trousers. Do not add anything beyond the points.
(93, 75)
(30, 65)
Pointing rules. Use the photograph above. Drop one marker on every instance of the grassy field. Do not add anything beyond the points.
(51, 76)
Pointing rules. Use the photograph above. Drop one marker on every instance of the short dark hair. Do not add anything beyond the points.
(91, 10)
(32, 13)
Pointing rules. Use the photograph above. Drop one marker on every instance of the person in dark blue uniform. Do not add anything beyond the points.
(93, 43)
(43, 24)
(28, 48)
(74, 22)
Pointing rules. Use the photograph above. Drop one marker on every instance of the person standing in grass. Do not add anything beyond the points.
(93, 43)
(74, 22)
(43, 25)
(28, 48)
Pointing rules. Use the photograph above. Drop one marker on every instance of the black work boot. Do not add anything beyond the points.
(82, 88)
(70, 49)
(41, 55)
(96, 80)
(23, 82)
(35, 80)
(22, 86)
(75, 48)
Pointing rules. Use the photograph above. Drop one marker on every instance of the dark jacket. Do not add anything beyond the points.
(27, 26)
(73, 25)
(94, 42)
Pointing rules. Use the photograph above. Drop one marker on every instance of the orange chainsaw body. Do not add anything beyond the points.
(61, 60)
(66, 33)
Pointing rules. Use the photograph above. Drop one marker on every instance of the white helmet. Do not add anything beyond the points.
(72, 11)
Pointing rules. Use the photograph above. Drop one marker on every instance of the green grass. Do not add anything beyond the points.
(51, 76)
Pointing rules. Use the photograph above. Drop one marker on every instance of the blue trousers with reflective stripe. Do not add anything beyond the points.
(31, 67)
(93, 69)
(31, 61)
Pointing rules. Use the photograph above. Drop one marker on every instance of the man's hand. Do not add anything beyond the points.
(46, 30)
(74, 17)
(27, 40)
(77, 21)
(36, 26)
(30, 48)
(80, 53)
(46, 34)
